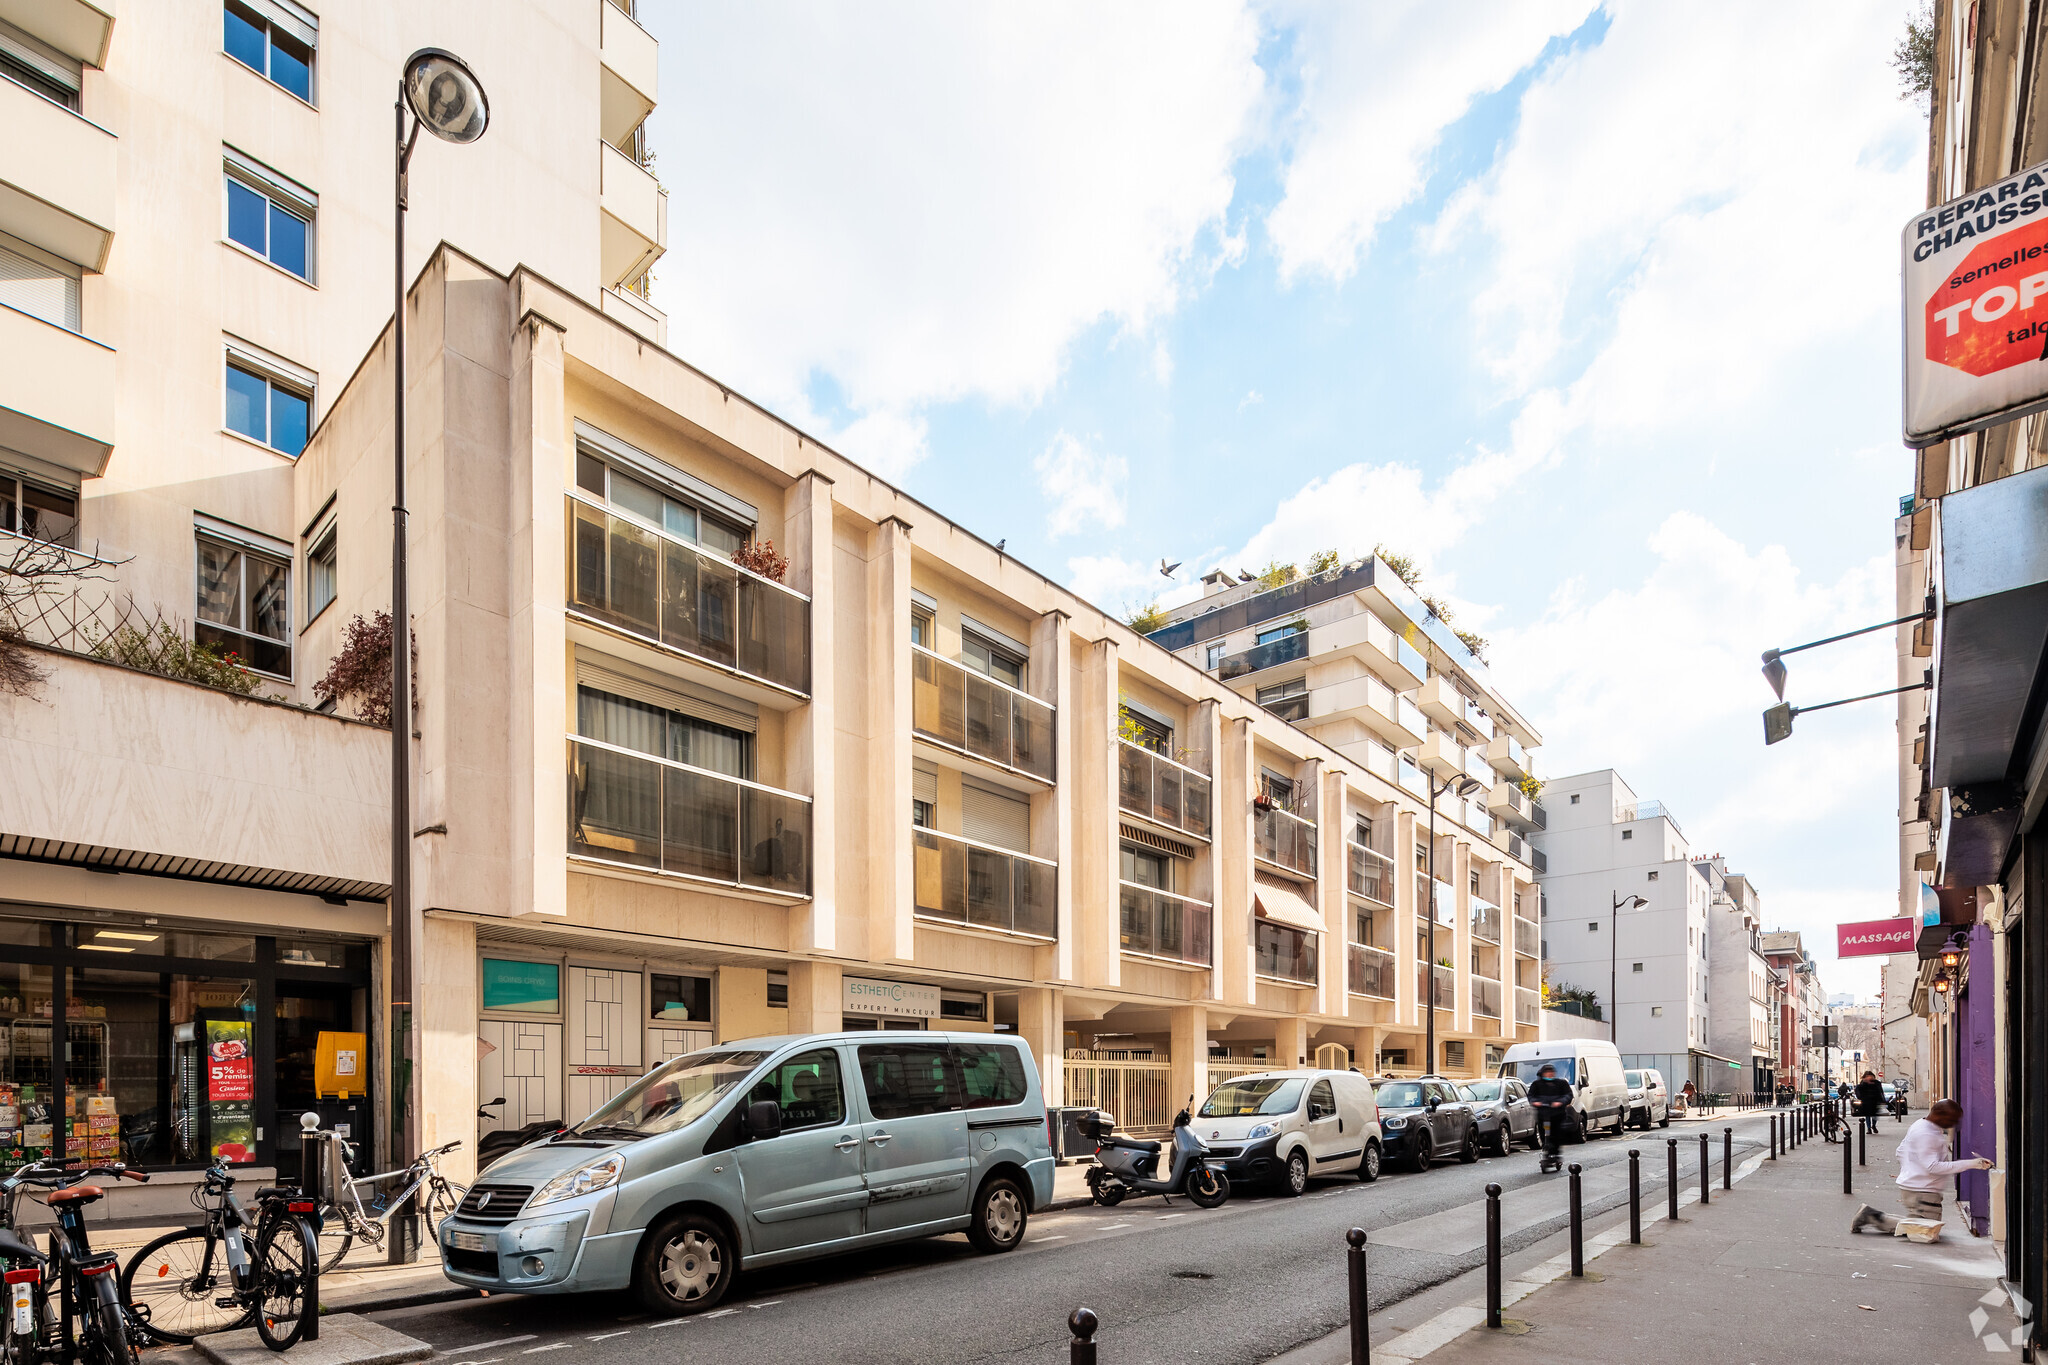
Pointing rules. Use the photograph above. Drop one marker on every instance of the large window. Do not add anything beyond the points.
(679, 517)
(38, 512)
(245, 603)
(997, 661)
(44, 70)
(665, 734)
(269, 214)
(266, 405)
(321, 576)
(904, 1080)
(274, 39)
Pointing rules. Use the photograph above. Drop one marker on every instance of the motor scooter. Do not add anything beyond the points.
(505, 1141)
(1125, 1166)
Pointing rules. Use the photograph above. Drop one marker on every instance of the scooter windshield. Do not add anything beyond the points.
(1252, 1097)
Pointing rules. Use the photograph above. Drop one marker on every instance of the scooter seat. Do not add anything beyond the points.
(1132, 1144)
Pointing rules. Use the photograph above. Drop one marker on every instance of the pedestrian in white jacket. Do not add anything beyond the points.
(1924, 1169)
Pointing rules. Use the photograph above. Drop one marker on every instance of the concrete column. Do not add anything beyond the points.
(1407, 1005)
(1052, 824)
(1332, 887)
(815, 999)
(543, 464)
(1290, 1041)
(1189, 1065)
(1461, 931)
(1365, 1048)
(1097, 957)
(1205, 745)
(889, 928)
(807, 539)
(448, 1007)
(1042, 1026)
(1236, 783)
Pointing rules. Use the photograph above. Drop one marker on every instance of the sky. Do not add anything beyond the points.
(1590, 309)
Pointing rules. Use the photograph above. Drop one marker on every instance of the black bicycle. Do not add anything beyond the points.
(62, 1305)
(200, 1280)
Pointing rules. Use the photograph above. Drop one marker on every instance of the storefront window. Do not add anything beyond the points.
(25, 1103)
(680, 997)
(528, 987)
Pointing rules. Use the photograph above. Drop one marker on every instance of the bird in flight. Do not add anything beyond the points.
(1166, 569)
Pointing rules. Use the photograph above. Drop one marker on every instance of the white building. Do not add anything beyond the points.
(1740, 983)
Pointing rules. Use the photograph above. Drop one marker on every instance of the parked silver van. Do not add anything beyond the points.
(759, 1152)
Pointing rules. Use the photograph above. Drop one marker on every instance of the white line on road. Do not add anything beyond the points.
(769, 1304)
(1056, 1237)
(608, 1336)
(669, 1322)
(490, 1345)
(1164, 1216)
(1112, 1227)
(722, 1313)
(551, 1346)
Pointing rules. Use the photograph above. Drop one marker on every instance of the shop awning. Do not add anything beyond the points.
(1284, 905)
(1992, 566)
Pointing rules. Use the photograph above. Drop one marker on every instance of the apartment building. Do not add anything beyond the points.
(1351, 656)
(884, 777)
(1648, 966)
(1742, 986)
(1792, 1005)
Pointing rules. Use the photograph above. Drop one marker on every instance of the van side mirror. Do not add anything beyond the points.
(763, 1119)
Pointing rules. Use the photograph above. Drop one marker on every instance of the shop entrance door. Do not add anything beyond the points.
(305, 1010)
(605, 1022)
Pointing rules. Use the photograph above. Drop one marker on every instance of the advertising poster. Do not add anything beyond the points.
(231, 1089)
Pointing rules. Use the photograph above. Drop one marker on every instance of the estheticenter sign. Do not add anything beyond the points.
(1876, 937)
(895, 999)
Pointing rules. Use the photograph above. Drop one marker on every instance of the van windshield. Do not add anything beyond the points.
(1527, 1072)
(1634, 1079)
(672, 1095)
(1243, 1099)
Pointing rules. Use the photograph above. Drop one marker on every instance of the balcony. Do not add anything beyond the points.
(1485, 917)
(1155, 923)
(1153, 787)
(1441, 701)
(1413, 779)
(669, 593)
(1441, 756)
(57, 177)
(1508, 757)
(1292, 708)
(1371, 874)
(1486, 997)
(1514, 845)
(1528, 1008)
(627, 55)
(1446, 902)
(1371, 972)
(1259, 658)
(1528, 937)
(77, 28)
(637, 810)
(1363, 636)
(1285, 954)
(1476, 766)
(1537, 862)
(637, 313)
(973, 714)
(1286, 841)
(633, 222)
(960, 881)
(56, 393)
(1446, 987)
(1509, 802)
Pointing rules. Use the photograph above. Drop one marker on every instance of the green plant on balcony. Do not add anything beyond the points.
(163, 649)
(1323, 561)
(361, 670)
(1569, 999)
(1277, 575)
(1147, 618)
(1531, 785)
(1402, 565)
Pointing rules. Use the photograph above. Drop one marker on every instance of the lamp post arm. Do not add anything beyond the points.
(1921, 615)
(1920, 686)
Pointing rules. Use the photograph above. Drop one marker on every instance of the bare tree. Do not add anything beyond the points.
(32, 574)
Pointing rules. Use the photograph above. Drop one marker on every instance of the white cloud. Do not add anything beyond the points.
(1113, 583)
(1083, 485)
(923, 203)
(1380, 83)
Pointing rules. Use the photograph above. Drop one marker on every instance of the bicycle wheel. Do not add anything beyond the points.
(336, 1237)
(106, 1335)
(172, 1283)
(286, 1262)
(438, 1202)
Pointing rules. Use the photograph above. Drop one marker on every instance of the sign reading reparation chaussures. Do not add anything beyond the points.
(899, 999)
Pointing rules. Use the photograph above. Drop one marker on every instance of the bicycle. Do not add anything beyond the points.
(36, 1331)
(175, 1286)
(346, 1217)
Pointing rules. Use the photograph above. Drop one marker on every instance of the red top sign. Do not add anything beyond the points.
(1877, 937)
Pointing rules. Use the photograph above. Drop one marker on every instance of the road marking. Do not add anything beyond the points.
(1164, 1216)
(668, 1322)
(608, 1336)
(489, 1345)
(492, 1361)
(1112, 1227)
(768, 1304)
(551, 1346)
(722, 1313)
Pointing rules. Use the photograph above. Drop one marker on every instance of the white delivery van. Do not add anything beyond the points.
(1592, 1068)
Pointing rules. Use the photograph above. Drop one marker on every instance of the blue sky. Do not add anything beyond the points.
(1591, 309)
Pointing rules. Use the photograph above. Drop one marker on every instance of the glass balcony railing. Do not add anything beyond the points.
(1485, 920)
(1527, 937)
(1161, 790)
(1371, 873)
(1446, 987)
(1292, 709)
(670, 593)
(1413, 778)
(1371, 972)
(1285, 840)
(1155, 923)
(979, 716)
(1258, 658)
(1527, 1006)
(1486, 997)
(1446, 901)
(1284, 953)
(633, 808)
(961, 881)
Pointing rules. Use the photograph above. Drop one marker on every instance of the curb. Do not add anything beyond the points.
(417, 1299)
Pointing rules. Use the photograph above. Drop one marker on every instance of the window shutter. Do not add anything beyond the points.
(924, 786)
(622, 684)
(997, 818)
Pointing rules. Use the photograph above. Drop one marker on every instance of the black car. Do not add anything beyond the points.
(1421, 1120)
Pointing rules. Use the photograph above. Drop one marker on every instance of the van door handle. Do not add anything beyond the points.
(879, 1138)
(847, 1143)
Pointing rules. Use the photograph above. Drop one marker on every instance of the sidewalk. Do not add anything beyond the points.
(1769, 1271)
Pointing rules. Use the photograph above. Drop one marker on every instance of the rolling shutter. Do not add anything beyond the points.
(998, 818)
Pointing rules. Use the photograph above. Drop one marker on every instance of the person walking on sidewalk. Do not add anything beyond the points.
(1923, 1168)
(1552, 1099)
(1869, 1100)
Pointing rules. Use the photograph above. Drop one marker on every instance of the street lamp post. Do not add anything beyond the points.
(444, 97)
(1614, 963)
(1466, 786)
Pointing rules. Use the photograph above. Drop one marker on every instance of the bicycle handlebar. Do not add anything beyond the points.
(446, 1147)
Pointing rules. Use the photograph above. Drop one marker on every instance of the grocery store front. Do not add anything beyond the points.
(184, 1042)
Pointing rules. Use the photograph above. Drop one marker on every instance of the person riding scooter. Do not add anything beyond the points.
(1553, 1101)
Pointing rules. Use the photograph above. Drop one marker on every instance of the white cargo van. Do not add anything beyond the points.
(1592, 1068)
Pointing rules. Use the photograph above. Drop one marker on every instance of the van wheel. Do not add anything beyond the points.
(1295, 1180)
(1000, 1213)
(1665, 1122)
(686, 1265)
(1369, 1164)
(1619, 1120)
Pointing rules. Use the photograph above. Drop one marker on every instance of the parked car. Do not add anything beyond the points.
(1283, 1127)
(763, 1152)
(1649, 1099)
(1592, 1067)
(1502, 1110)
(1423, 1119)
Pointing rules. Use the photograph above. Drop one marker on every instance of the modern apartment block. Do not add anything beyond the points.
(1648, 967)
(1742, 986)
(662, 797)
(1352, 657)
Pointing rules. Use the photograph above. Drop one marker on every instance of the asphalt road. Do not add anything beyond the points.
(1172, 1284)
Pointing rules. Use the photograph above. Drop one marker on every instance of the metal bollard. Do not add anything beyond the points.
(1635, 1196)
(313, 1185)
(1082, 1322)
(1493, 1256)
(1727, 1158)
(1862, 1150)
(1361, 1329)
(1774, 1137)
(1848, 1165)
(1578, 1228)
(1706, 1173)
(1671, 1175)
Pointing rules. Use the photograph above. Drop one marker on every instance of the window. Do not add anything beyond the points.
(269, 215)
(1636, 967)
(1422, 857)
(963, 1005)
(921, 814)
(1653, 876)
(808, 1088)
(1144, 731)
(664, 733)
(245, 603)
(33, 281)
(36, 512)
(1288, 700)
(1593, 927)
(1277, 789)
(1000, 662)
(681, 517)
(991, 1075)
(778, 990)
(921, 632)
(904, 1080)
(274, 39)
(1146, 868)
(1628, 834)
(1279, 632)
(1322, 1101)
(1213, 659)
(677, 997)
(265, 406)
(44, 70)
(320, 573)
(1361, 831)
(1575, 798)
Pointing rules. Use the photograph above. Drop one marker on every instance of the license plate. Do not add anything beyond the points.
(468, 1241)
